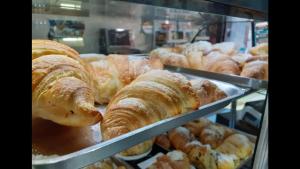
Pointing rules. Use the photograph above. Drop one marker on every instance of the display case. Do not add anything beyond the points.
(135, 28)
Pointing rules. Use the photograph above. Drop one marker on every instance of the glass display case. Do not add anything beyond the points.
(136, 27)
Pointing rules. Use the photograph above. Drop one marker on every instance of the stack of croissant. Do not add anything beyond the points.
(208, 145)
(66, 87)
(219, 58)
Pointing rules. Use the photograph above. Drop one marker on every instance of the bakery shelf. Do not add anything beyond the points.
(251, 83)
(111, 147)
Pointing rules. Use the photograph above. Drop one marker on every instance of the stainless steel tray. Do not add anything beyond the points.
(237, 80)
(101, 150)
(157, 149)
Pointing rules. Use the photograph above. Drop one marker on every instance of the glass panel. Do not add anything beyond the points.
(104, 26)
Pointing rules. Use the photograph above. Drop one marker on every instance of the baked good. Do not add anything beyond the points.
(104, 164)
(172, 160)
(225, 47)
(163, 141)
(180, 137)
(242, 58)
(155, 95)
(201, 46)
(214, 135)
(48, 47)
(205, 158)
(238, 145)
(195, 60)
(256, 69)
(225, 66)
(196, 127)
(116, 71)
(207, 91)
(261, 49)
(61, 91)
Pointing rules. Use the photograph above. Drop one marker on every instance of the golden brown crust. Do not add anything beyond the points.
(61, 91)
(256, 69)
(207, 91)
(116, 71)
(163, 141)
(225, 66)
(261, 49)
(166, 161)
(48, 47)
(155, 95)
(213, 135)
(168, 57)
(238, 145)
(197, 126)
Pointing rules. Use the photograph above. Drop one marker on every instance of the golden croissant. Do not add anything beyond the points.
(113, 72)
(61, 91)
(153, 96)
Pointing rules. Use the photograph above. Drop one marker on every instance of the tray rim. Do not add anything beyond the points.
(108, 148)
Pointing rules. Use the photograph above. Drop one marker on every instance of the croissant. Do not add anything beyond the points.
(155, 95)
(115, 71)
(225, 47)
(256, 69)
(225, 66)
(48, 47)
(261, 49)
(207, 91)
(168, 57)
(61, 91)
(201, 46)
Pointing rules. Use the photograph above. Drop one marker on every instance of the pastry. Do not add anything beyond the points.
(153, 96)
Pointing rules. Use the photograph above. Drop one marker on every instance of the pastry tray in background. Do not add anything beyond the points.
(233, 79)
(79, 147)
(157, 149)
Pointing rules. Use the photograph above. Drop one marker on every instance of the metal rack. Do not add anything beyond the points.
(108, 148)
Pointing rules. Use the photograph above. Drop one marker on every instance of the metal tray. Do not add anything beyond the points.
(157, 149)
(237, 80)
(91, 149)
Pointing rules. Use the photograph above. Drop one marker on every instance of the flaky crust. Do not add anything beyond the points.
(48, 47)
(207, 91)
(61, 91)
(155, 95)
(238, 145)
(256, 69)
(116, 71)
